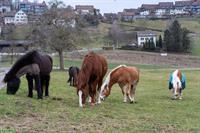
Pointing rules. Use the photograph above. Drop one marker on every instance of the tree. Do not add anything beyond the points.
(167, 40)
(176, 32)
(58, 30)
(176, 39)
(115, 34)
(160, 45)
(10, 36)
(186, 40)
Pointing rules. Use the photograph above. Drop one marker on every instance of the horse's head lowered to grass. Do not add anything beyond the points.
(13, 85)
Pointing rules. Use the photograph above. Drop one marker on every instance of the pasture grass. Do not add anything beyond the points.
(154, 111)
(196, 47)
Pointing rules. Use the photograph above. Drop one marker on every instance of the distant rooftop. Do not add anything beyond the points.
(84, 7)
(146, 33)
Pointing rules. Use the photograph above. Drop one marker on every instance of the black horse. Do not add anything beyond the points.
(73, 72)
(36, 67)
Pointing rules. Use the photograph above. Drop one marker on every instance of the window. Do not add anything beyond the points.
(142, 38)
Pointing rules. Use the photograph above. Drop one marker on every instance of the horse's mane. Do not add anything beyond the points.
(107, 80)
(26, 59)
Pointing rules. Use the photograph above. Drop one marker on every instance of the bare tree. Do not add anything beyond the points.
(115, 34)
(58, 30)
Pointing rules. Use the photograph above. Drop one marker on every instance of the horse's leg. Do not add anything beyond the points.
(38, 86)
(69, 80)
(132, 93)
(173, 95)
(30, 85)
(42, 82)
(98, 91)
(92, 92)
(180, 95)
(124, 91)
(47, 79)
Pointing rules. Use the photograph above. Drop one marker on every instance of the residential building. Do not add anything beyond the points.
(148, 9)
(21, 18)
(84, 9)
(145, 36)
(128, 14)
(110, 17)
(31, 7)
(164, 8)
(196, 7)
(9, 17)
(182, 7)
(5, 6)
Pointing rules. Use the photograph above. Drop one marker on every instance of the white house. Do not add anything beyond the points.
(144, 13)
(160, 12)
(21, 18)
(84, 9)
(9, 17)
(5, 6)
(145, 36)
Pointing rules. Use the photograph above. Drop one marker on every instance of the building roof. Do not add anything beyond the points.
(165, 5)
(146, 33)
(5, 2)
(130, 10)
(183, 3)
(84, 7)
(197, 3)
(33, 3)
(9, 14)
(149, 6)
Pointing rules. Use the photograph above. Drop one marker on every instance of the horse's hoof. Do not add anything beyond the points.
(131, 102)
(40, 98)
(92, 104)
(173, 98)
(31, 96)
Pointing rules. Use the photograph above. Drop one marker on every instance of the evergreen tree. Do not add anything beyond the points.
(176, 33)
(186, 40)
(160, 45)
(167, 40)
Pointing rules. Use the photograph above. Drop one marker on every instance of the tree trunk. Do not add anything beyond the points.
(61, 58)
(12, 56)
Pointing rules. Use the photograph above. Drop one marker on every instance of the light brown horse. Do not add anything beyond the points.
(94, 68)
(127, 78)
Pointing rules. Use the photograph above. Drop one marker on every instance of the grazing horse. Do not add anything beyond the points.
(36, 67)
(127, 78)
(73, 72)
(94, 68)
(177, 83)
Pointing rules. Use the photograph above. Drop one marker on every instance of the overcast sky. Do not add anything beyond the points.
(113, 6)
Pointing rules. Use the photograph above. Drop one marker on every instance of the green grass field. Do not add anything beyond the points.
(154, 111)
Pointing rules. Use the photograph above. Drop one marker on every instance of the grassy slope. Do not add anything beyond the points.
(193, 24)
(196, 47)
(154, 111)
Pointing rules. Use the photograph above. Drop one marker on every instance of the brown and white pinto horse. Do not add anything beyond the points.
(94, 68)
(127, 77)
(177, 84)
